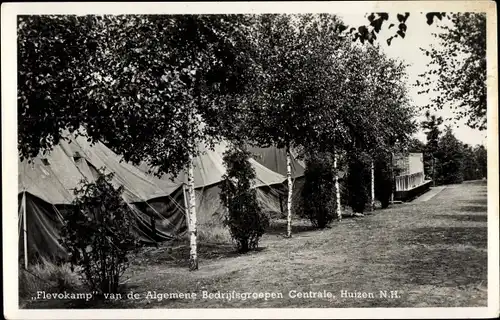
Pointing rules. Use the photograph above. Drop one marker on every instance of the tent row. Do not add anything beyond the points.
(158, 204)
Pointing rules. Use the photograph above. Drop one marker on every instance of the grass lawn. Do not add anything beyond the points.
(433, 253)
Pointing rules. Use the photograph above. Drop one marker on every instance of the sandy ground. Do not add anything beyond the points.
(433, 253)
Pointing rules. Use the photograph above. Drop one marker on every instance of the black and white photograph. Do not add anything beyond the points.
(250, 160)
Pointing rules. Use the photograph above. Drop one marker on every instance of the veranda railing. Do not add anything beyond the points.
(409, 181)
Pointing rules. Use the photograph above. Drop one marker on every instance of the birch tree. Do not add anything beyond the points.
(288, 58)
(365, 98)
(270, 113)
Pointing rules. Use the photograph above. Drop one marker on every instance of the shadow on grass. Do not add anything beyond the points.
(444, 267)
(178, 256)
(476, 182)
(474, 209)
(280, 228)
(480, 202)
(456, 217)
(447, 236)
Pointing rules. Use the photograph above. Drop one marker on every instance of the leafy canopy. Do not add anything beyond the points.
(130, 81)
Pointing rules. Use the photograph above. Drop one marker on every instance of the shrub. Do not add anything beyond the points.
(358, 182)
(244, 217)
(97, 234)
(383, 182)
(318, 193)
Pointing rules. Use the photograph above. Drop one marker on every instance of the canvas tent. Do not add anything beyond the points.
(45, 189)
(208, 172)
(275, 159)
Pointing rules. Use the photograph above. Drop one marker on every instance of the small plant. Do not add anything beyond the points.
(244, 217)
(97, 234)
(318, 193)
(47, 276)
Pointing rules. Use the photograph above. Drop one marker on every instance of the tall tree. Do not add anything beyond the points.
(372, 109)
(449, 158)
(144, 85)
(482, 160)
(431, 126)
(286, 59)
(471, 170)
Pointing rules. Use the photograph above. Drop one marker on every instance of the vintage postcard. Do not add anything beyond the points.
(193, 160)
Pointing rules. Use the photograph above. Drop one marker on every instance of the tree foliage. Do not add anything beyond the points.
(450, 159)
(481, 157)
(130, 81)
(397, 22)
(457, 71)
(98, 234)
(383, 180)
(474, 162)
(358, 181)
(318, 191)
(245, 219)
(416, 146)
(431, 126)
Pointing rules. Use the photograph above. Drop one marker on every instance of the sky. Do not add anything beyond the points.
(418, 35)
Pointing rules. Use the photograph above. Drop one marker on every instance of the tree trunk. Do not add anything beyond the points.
(193, 255)
(337, 187)
(372, 182)
(433, 171)
(290, 191)
(392, 178)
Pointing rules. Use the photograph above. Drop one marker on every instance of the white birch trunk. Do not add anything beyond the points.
(392, 177)
(372, 195)
(25, 232)
(337, 187)
(290, 191)
(193, 255)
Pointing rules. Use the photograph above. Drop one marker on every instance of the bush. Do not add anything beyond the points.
(97, 234)
(318, 193)
(383, 182)
(245, 219)
(358, 182)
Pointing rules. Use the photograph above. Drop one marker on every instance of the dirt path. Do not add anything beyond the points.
(429, 194)
(432, 253)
